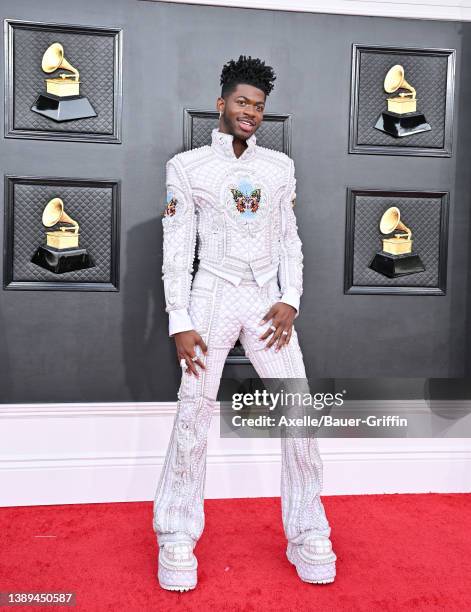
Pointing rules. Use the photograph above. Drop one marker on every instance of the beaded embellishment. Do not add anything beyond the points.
(171, 207)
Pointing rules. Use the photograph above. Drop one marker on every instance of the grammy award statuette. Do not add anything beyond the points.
(61, 252)
(396, 258)
(402, 118)
(62, 100)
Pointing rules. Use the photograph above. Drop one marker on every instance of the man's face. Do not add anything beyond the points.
(242, 110)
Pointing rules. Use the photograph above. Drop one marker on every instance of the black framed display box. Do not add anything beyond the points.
(63, 82)
(402, 101)
(61, 234)
(418, 270)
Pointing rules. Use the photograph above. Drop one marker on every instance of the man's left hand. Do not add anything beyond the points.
(281, 316)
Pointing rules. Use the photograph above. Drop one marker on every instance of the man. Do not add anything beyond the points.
(238, 198)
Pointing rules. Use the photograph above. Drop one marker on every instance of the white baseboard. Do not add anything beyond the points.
(90, 453)
(453, 10)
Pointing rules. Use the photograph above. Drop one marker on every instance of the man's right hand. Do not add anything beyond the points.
(186, 343)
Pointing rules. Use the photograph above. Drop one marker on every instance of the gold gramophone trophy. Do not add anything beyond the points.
(396, 258)
(401, 119)
(62, 100)
(61, 252)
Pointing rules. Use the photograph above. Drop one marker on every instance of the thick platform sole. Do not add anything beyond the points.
(177, 580)
(316, 572)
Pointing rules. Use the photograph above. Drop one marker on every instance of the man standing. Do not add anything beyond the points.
(238, 198)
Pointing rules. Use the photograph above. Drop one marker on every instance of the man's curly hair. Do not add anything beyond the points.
(248, 70)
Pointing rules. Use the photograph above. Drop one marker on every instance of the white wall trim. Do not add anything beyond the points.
(87, 453)
(77, 409)
(454, 10)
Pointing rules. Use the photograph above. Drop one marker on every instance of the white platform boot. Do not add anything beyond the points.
(314, 559)
(177, 566)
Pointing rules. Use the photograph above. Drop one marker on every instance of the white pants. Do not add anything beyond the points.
(221, 313)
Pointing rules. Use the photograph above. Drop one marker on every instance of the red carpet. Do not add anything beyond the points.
(395, 552)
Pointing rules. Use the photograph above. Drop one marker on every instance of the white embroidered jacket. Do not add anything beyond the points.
(241, 209)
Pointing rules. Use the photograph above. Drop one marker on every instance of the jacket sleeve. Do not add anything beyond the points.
(290, 271)
(179, 241)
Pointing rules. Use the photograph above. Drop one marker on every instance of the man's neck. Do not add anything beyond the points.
(238, 145)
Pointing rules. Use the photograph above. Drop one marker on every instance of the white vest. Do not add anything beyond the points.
(241, 210)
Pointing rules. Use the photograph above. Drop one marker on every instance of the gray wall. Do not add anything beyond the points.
(114, 346)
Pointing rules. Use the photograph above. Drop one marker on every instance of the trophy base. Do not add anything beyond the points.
(63, 260)
(393, 266)
(65, 108)
(399, 126)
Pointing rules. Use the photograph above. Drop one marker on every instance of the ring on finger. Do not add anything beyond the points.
(284, 332)
(273, 327)
(194, 358)
(183, 362)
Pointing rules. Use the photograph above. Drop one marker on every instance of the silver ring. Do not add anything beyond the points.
(284, 332)
(273, 327)
(194, 358)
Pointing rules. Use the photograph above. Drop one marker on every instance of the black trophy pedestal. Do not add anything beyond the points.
(393, 266)
(402, 125)
(63, 260)
(65, 108)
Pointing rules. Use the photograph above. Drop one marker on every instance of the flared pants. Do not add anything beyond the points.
(221, 313)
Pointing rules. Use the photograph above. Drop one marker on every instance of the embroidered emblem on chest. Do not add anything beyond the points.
(171, 207)
(245, 199)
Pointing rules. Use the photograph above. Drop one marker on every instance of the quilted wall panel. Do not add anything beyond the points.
(92, 52)
(424, 215)
(272, 134)
(91, 206)
(430, 73)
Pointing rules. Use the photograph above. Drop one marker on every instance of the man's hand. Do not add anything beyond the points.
(282, 316)
(185, 343)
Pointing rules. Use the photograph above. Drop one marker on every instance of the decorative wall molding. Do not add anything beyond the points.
(449, 10)
(90, 453)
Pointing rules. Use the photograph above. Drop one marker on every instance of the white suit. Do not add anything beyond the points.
(250, 257)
